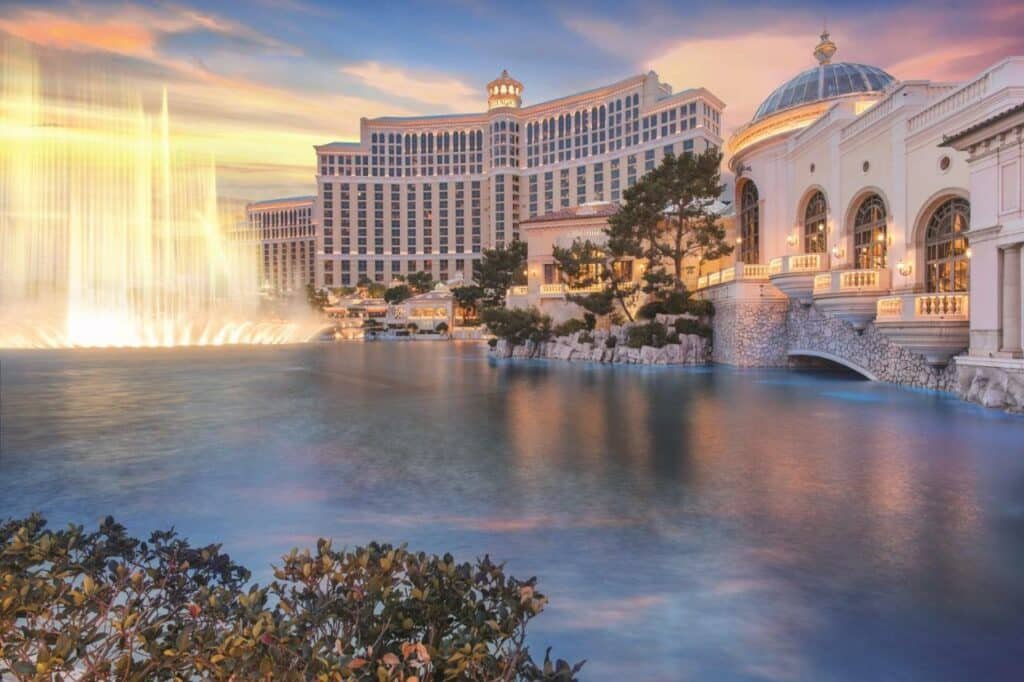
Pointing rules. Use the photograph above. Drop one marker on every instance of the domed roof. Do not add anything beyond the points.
(823, 82)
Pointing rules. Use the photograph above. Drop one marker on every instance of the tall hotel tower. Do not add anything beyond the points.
(431, 192)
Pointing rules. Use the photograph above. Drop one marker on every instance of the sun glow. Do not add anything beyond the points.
(108, 237)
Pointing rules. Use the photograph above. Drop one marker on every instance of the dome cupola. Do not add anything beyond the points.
(504, 91)
(824, 82)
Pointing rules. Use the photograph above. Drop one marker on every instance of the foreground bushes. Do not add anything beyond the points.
(517, 325)
(105, 605)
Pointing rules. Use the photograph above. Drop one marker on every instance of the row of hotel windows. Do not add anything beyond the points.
(386, 270)
(288, 266)
(418, 205)
(552, 140)
(281, 223)
(347, 209)
(945, 243)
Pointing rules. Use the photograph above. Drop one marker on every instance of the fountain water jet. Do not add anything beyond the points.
(108, 237)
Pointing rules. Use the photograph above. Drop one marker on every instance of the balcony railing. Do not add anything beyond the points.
(851, 281)
(803, 262)
(552, 289)
(519, 290)
(924, 307)
(740, 271)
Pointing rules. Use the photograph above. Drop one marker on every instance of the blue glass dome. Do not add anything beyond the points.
(824, 82)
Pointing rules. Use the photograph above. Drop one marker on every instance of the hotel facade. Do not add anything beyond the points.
(284, 231)
(431, 193)
(879, 224)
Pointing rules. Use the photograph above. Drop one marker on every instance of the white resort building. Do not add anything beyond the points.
(430, 193)
(879, 225)
(285, 232)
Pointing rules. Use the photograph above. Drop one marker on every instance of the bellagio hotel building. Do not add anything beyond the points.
(431, 192)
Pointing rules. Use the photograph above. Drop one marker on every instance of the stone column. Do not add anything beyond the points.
(1011, 300)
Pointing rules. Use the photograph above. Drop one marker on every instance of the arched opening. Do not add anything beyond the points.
(870, 238)
(945, 246)
(812, 359)
(815, 216)
(750, 224)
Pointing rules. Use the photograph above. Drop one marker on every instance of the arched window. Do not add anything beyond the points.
(946, 246)
(814, 224)
(869, 234)
(750, 224)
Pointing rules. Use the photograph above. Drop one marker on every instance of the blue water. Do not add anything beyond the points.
(686, 524)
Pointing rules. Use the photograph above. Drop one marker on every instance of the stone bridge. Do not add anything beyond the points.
(772, 333)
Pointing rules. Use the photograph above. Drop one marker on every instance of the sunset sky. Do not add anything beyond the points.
(258, 83)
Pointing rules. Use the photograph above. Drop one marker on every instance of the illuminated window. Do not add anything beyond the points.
(869, 233)
(814, 224)
(750, 224)
(946, 264)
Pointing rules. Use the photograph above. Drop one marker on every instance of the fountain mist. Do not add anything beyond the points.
(108, 237)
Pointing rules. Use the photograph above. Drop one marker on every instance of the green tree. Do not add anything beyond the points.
(668, 217)
(397, 294)
(517, 325)
(369, 288)
(316, 298)
(585, 264)
(498, 269)
(104, 605)
(468, 299)
(420, 282)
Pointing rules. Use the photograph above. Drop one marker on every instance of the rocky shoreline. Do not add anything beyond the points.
(691, 349)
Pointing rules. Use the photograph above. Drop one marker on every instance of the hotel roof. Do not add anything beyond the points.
(267, 203)
(591, 210)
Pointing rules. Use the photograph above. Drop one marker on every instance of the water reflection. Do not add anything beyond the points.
(687, 523)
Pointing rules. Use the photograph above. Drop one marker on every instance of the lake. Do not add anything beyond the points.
(686, 523)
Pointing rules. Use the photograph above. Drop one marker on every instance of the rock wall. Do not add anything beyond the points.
(750, 333)
(991, 386)
(691, 350)
(868, 351)
(764, 333)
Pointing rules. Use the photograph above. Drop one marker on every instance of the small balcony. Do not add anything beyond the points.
(794, 275)
(740, 272)
(560, 290)
(932, 325)
(850, 295)
(517, 296)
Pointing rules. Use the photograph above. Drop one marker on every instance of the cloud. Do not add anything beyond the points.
(129, 30)
(431, 89)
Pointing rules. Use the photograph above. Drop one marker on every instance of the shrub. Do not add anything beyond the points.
(517, 325)
(413, 327)
(441, 328)
(684, 325)
(568, 327)
(676, 303)
(650, 334)
(492, 342)
(672, 337)
(585, 337)
(397, 294)
(610, 342)
(105, 605)
(371, 322)
(590, 320)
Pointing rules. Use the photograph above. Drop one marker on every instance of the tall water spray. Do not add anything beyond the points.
(108, 237)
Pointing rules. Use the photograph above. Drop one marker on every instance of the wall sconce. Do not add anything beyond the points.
(838, 252)
(739, 240)
(904, 269)
(791, 239)
(968, 252)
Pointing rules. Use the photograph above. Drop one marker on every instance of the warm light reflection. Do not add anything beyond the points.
(108, 237)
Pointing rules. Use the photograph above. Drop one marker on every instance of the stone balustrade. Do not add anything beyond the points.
(850, 295)
(518, 290)
(738, 272)
(932, 325)
(924, 307)
(552, 289)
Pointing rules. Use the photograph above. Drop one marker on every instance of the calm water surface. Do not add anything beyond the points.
(687, 524)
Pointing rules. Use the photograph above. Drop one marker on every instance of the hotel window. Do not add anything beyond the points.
(815, 216)
(563, 177)
(581, 185)
(750, 224)
(648, 160)
(946, 246)
(869, 233)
